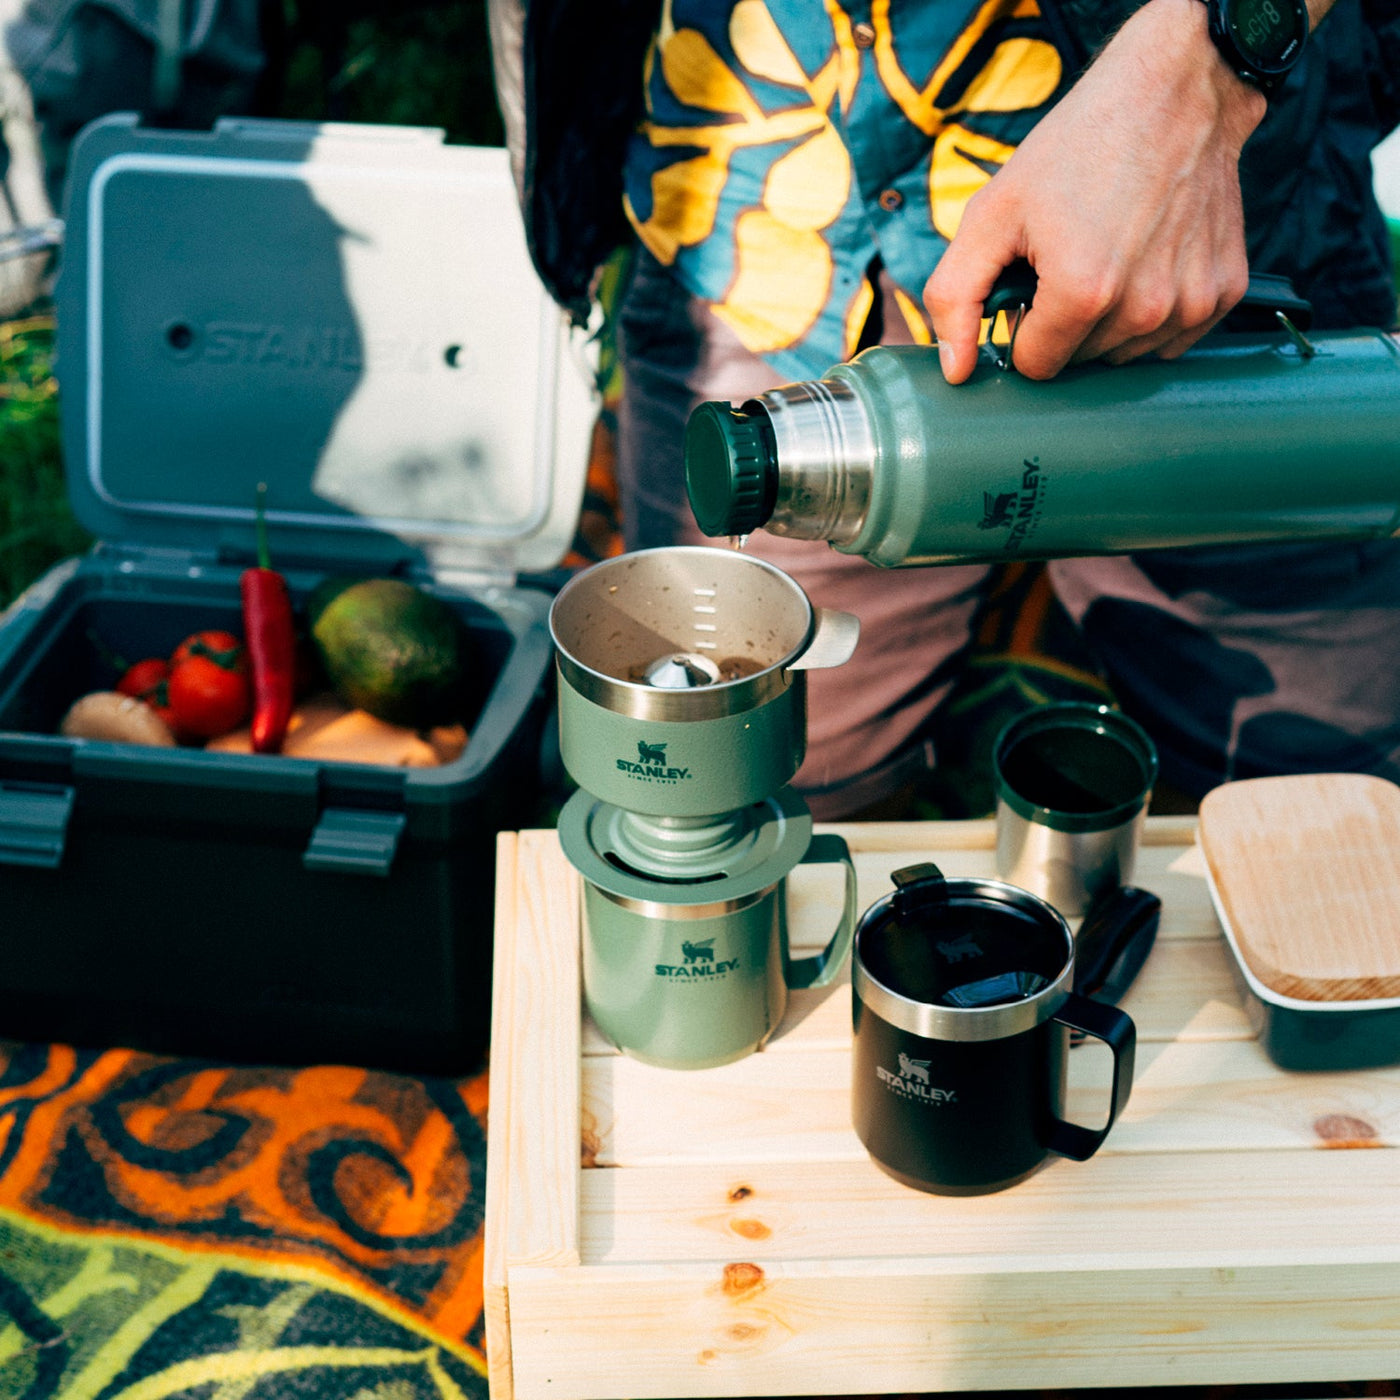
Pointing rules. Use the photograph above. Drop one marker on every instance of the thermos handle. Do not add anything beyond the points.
(1257, 310)
(1115, 1028)
(822, 968)
(1014, 288)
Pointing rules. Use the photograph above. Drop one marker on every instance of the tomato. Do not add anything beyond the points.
(143, 676)
(148, 680)
(206, 698)
(221, 647)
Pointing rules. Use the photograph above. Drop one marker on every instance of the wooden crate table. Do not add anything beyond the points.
(715, 1233)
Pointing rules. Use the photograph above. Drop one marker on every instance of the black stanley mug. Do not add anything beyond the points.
(963, 1014)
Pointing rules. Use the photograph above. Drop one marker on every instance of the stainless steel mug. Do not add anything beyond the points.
(1073, 782)
(963, 1012)
(689, 975)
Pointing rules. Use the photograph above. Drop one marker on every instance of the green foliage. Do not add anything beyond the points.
(422, 64)
(36, 525)
(1394, 225)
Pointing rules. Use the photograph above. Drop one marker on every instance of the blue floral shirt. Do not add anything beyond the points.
(788, 143)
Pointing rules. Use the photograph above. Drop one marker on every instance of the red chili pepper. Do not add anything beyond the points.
(270, 636)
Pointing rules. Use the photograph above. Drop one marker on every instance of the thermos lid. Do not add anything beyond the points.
(731, 469)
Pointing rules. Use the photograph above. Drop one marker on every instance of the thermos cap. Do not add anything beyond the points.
(730, 468)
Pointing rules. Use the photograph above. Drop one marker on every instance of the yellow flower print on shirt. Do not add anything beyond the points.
(783, 266)
(773, 282)
(1020, 75)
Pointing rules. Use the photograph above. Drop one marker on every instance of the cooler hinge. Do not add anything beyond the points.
(350, 842)
(150, 561)
(34, 823)
(474, 577)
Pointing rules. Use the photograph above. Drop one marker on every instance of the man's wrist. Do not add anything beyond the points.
(1178, 51)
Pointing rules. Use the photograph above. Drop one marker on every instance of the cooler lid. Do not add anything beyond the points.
(347, 313)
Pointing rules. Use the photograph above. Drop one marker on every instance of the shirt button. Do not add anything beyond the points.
(863, 34)
(890, 200)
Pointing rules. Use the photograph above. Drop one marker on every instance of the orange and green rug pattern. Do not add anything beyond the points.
(173, 1227)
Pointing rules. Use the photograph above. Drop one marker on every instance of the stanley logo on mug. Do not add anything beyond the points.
(912, 1081)
(651, 764)
(699, 961)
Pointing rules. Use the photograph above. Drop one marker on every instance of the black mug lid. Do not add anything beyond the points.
(963, 959)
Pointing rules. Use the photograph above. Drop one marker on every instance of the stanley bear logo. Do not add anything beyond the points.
(700, 963)
(912, 1083)
(956, 949)
(996, 510)
(651, 765)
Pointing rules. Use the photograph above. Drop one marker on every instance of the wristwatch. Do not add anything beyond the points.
(1260, 39)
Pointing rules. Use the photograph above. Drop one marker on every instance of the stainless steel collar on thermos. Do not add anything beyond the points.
(826, 460)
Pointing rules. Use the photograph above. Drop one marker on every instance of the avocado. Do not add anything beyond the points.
(395, 651)
(326, 592)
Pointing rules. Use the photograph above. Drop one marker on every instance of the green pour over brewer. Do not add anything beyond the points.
(1247, 438)
(682, 717)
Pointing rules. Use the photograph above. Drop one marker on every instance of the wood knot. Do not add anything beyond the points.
(741, 1279)
(740, 1193)
(750, 1229)
(1345, 1130)
(589, 1147)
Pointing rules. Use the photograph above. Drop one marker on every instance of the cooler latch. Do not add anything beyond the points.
(34, 823)
(351, 842)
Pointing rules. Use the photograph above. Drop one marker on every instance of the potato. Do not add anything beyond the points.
(121, 719)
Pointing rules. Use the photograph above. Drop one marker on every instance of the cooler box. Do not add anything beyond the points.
(349, 315)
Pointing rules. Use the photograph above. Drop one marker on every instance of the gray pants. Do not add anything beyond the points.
(1239, 661)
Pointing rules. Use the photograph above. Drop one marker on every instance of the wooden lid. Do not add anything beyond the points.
(1307, 869)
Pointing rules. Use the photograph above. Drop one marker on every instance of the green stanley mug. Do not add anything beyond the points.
(691, 985)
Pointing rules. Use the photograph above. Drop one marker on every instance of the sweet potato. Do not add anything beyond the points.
(323, 728)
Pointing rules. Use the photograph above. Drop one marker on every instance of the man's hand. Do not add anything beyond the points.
(1125, 199)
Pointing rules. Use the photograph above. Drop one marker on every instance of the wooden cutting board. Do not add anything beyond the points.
(1307, 870)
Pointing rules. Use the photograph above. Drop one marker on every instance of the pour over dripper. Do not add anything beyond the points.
(682, 689)
(682, 717)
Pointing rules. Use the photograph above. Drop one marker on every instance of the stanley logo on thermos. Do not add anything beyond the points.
(699, 961)
(651, 764)
(1018, 509)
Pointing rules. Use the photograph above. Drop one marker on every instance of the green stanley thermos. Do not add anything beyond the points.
(1247, 438)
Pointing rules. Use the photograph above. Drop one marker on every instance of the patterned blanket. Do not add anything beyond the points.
(182, 1228)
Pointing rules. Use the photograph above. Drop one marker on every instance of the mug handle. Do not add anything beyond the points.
(821, 968)
(1115, 1028)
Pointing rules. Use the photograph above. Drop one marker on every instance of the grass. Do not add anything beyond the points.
(36, 526)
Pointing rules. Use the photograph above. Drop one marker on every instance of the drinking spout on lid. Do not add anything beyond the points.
(918, 889)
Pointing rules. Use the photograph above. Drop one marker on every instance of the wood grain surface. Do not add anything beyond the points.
(1308, 872)
(722, 1233)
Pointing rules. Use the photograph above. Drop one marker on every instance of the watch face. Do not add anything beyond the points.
(1268, 33)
